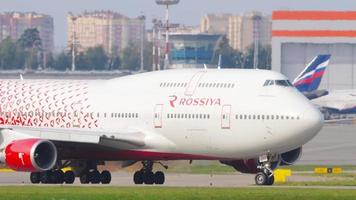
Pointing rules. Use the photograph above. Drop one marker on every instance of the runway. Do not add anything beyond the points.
(172, 180)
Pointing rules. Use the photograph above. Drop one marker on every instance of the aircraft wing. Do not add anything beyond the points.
(118, 139)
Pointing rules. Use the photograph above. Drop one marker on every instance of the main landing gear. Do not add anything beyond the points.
(52, 177)
(146, 176)
(95, 177)
(86, 171)
(265, 176)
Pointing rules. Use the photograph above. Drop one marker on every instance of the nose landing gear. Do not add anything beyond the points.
(265, 176)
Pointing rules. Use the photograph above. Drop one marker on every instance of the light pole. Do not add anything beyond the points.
(256, 30)
(73, 42)
(167, 3)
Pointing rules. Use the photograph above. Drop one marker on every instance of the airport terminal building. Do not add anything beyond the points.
(298, 36)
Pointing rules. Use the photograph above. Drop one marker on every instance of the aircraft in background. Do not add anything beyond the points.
(230, 115)
(338, 102)
(309, 79)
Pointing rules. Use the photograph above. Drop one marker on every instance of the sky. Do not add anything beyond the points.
(187, 12)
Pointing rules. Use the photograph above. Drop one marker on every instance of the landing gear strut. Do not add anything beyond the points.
(265, 176)
(146, 176)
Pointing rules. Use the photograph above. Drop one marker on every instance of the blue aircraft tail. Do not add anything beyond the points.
(310, 78)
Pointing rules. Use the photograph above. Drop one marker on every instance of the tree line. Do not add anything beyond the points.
(231, 58)
(27, 53)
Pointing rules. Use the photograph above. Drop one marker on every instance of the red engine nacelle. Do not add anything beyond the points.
(30, 155)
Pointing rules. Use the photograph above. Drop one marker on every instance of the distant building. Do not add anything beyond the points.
(192, 50)
(244, 29)
(108, 29)
(241, 30)
(214, 23)
(298, 36)
(13, 24)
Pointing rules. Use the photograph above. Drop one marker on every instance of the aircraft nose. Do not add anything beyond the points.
(313, 121)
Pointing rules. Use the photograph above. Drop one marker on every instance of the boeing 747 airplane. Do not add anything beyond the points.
(230, 115)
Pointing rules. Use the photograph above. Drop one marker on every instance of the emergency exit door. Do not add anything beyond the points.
(226, 117)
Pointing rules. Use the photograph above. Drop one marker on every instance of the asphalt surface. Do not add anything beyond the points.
(172, 180)
(334, 145)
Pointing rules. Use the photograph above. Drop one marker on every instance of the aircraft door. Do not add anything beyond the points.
(225, 117)
(157, 118)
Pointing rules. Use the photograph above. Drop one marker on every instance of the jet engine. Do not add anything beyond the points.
(31, 155)
(290, 157)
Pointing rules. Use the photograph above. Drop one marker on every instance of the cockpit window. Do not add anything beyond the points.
(284, 83)
(266, 82)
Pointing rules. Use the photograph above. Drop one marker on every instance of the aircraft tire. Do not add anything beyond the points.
(57, 177)
(138, 177)
(105, 177)
(261, 178)
(84, 178)
(159, 178)
(35, 177)
(149, 178)
(69, 177)
(94, 177)
(45, 177)
(270, 180)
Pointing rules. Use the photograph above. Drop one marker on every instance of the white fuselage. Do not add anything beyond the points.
(211, 113)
